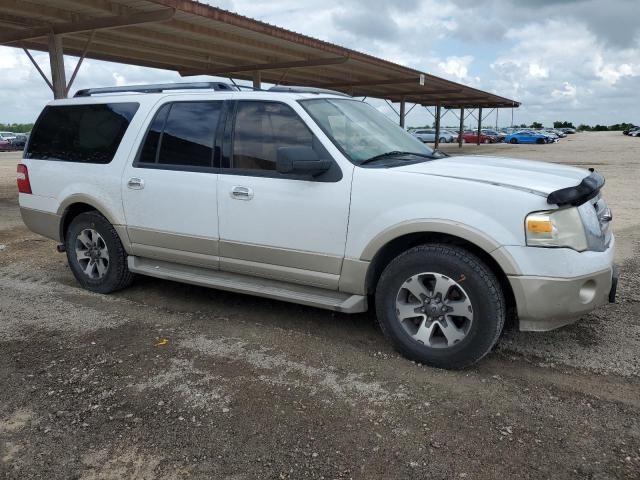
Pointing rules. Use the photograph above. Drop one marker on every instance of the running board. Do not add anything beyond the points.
(261, 287)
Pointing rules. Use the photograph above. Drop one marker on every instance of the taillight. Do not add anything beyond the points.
(24, 186)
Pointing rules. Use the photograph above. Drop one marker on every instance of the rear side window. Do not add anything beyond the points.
(182, 134)
(80, 133)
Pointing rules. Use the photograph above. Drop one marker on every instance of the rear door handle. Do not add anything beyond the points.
(135, 183)
(241, 193)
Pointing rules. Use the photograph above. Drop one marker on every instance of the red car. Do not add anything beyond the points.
(470, 136)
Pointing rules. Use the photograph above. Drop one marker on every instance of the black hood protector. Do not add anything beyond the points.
(588, 188)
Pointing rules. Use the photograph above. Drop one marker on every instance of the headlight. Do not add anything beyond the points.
(556, 228)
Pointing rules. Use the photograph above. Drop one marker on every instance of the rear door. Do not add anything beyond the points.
(169, 190)
(276, 225)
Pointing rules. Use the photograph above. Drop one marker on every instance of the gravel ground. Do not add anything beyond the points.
(171, 381)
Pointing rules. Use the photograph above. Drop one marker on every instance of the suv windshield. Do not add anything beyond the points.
(361, 132)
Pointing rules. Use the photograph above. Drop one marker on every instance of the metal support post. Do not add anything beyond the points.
(479, 125)
(437, 139)
(56, 60)
(257, 80)
(461, 127)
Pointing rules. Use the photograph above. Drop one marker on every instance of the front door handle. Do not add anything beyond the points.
(242, 193)
(135, 183)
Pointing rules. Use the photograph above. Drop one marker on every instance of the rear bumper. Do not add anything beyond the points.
(547, 303)
(46, 224)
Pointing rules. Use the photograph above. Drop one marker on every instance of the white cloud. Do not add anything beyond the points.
(457, 67)
(537, 71)
(568, 90)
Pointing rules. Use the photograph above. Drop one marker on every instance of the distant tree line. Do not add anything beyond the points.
(617, 127)
(16, 127)
(583, 127)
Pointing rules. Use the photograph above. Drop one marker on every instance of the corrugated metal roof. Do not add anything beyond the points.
(201, 39)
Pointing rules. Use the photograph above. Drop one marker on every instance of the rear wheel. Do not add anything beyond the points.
(440, 305)
(513, 141)
(96, 255)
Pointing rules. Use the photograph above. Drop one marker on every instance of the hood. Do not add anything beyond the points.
(540, 178)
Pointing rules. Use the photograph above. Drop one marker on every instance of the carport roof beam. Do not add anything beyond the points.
(316, 62)
(86, 25)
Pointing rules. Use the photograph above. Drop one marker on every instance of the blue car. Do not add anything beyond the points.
(526, 137)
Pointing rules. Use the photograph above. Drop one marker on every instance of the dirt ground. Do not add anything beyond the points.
(170, 381)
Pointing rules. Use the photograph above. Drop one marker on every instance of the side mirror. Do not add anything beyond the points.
(300, 161)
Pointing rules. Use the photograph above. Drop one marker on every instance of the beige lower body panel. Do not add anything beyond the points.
(278, 272)
(46, 224)
(545, 303)
(295, 266)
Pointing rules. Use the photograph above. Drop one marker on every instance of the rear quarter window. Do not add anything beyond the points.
(80, 133)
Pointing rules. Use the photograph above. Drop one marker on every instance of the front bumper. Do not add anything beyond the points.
(546, 303)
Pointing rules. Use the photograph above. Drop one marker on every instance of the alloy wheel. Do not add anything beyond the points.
(434, 310)
(92, 254)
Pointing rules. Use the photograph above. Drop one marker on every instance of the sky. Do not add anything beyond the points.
(574, 60)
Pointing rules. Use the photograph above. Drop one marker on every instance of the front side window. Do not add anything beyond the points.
(360, 131)
(261, 128)
(182, 134)
(80, 133)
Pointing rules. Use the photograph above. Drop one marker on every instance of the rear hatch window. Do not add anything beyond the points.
(80, 133)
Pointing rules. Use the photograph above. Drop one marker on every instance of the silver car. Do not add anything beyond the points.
(428, 135)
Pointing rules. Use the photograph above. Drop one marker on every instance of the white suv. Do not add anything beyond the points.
(316, 198)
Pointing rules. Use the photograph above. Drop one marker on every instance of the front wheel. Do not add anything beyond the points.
(440, 305)
(513, 141)
(96, 255)
(540, 141)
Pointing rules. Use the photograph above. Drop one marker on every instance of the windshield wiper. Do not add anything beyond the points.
(394, 153)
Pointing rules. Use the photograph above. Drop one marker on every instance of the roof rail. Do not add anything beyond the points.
(285, 88)
(157, 88)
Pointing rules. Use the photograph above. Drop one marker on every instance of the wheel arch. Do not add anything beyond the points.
(475, 242)
(76, 205)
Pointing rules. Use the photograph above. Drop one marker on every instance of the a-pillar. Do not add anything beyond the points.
(56, 60)
(403, 107)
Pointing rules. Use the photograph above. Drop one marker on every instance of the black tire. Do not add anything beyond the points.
(481, 286)
(442, 140)
(513, 141)
(540, 141)
(117, 274)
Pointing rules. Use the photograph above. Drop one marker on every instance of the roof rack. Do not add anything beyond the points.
(157, 88)
(318, 91)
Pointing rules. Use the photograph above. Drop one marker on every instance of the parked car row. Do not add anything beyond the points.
(13, 141)
(633, 131)
(487, 135)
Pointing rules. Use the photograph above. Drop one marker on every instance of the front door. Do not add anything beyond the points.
(275, 225)
(169, 192)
